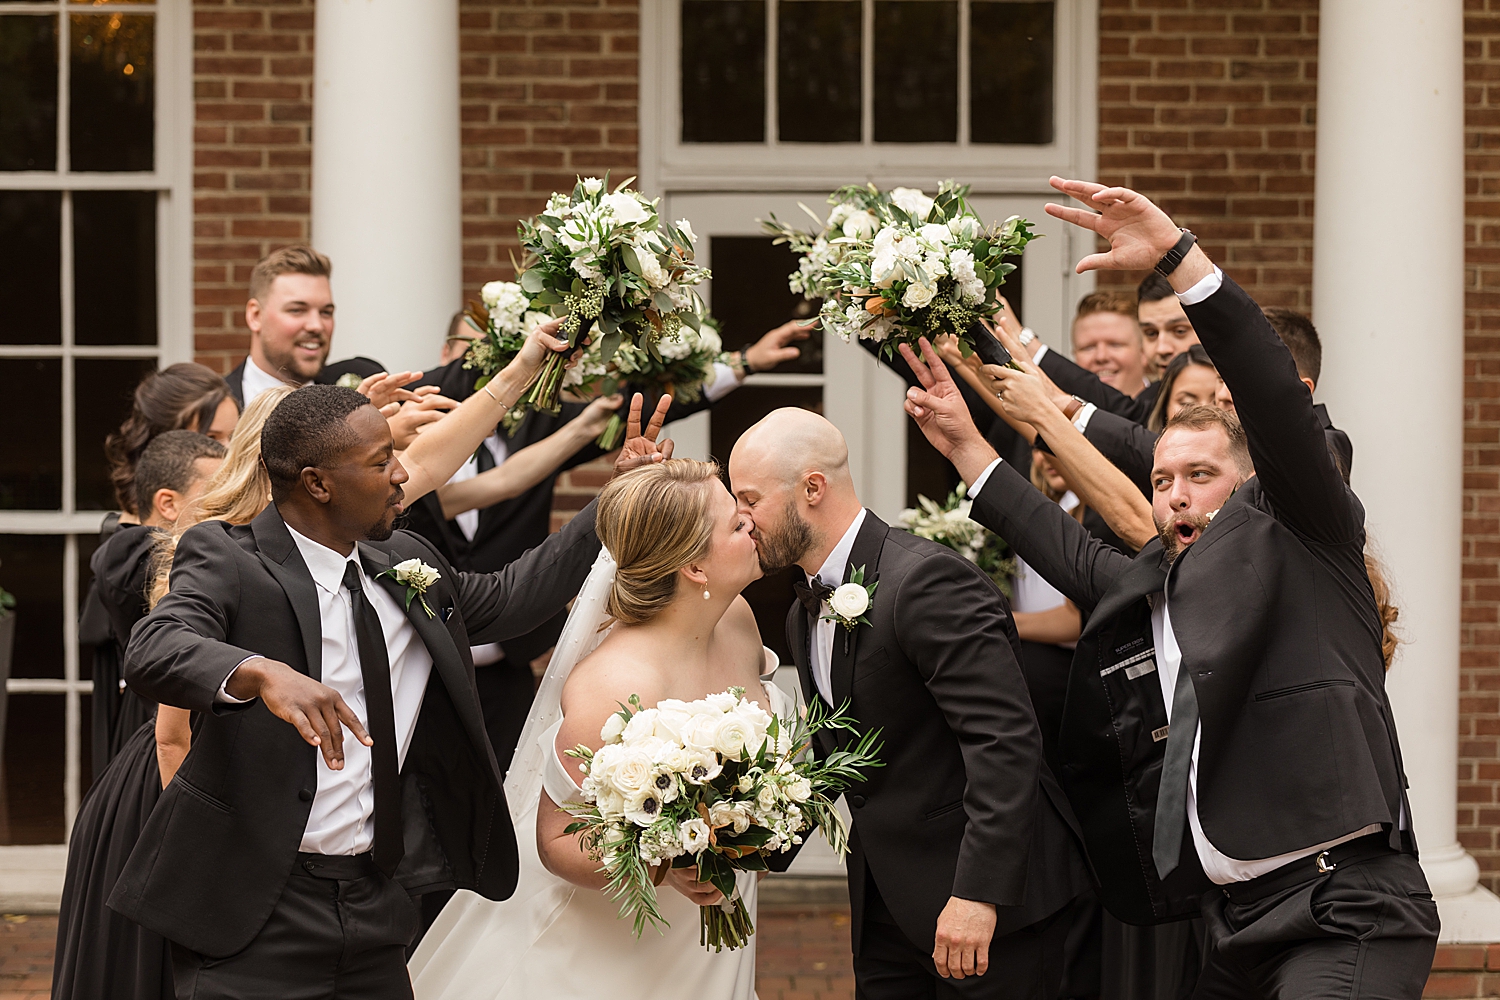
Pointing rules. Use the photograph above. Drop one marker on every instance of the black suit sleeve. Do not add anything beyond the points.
(1055, 545)
(1297, 472)
(1084, 384)
(532, 589)
(178, 654)
(1129, 445)
(956, 632)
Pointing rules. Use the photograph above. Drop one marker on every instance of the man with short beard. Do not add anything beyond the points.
(1227, 743)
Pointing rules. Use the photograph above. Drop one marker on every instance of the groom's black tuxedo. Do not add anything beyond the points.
(216, 853)
(965, 805)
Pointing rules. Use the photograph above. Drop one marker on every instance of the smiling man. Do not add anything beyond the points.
(1228, 744)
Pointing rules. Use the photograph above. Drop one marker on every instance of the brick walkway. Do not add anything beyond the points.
(803, 954)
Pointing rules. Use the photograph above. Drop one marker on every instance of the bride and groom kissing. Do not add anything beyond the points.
(281, 860)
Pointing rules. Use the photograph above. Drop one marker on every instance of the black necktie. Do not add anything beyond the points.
(484, 458)
(375, 669)
(1171, 800)
(812, 595)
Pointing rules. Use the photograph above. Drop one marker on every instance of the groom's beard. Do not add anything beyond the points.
(781, 548)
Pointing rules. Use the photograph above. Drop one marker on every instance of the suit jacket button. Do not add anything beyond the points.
(857, 801)
(304, 795)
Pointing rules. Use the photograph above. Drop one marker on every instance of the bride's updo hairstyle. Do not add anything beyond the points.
(654, 520)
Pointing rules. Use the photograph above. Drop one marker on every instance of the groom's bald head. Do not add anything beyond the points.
(790, 476)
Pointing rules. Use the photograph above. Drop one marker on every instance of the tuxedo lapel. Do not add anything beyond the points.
(278, 553)
(1146, 574)
(446, 660)
(865, 554)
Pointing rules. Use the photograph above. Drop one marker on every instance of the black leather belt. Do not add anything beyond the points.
(1314, 866)
(336, 866)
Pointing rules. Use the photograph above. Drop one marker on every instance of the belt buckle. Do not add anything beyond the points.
(1324, 867)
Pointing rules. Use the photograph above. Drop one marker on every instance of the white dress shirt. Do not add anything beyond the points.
(257, 380)
(342, 820)
(1033, 593)
(832, 575)
(468, 523)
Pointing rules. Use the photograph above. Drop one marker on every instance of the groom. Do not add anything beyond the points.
(281, 856)
(963, 849)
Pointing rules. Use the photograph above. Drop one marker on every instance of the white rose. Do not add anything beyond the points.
(799, 789)
(651, 269)
(641, 724)
(766, 798)
(592, 185)
(913, 202)
(612, 728)
(732, 735)
(632, 772)
(918, 295)
(964, 226)
(694, 835)
(587, 270)
(721, 702)
(669, 721)
(850, 601)
(860, 225)
(687, 230)
(758, 718)
(625, 207)
(698, 732)
(611, 803)
(936, 233)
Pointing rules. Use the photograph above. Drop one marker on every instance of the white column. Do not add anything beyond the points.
(1389, 302)
(386, 204)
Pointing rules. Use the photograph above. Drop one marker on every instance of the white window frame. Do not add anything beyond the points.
(172, 178)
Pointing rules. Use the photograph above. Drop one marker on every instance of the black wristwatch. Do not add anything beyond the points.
(1173, 257)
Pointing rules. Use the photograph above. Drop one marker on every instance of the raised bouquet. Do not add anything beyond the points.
(719, 784)
(892, 266)
(679, 366)
(948, 523)
(607, 262)
(505, 318)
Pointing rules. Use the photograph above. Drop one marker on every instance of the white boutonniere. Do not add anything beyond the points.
(849, 603)
(349, 380)
(416, 576)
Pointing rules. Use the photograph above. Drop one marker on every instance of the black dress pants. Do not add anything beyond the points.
(1024, 965)
(338, 932)
(1368, 929)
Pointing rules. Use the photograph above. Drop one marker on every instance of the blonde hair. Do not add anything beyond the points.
(654, 520)
(1385, 608)
(237, 493)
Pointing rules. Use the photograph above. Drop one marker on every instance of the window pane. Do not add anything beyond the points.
(31, 770)
(817, 71)
(31, 567)
(31, 461)
(750, 296)
(111, 98)
(723, 70)
(916, 71)
(28, 92)
(1010, 71)
(31, 267)
(103, 390)
(114, 267)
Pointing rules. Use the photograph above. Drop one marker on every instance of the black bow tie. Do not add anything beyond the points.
(812, 595)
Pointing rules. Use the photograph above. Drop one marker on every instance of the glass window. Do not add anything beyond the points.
(114, 267)
(31, 567)
(818, 71)
(102, 392)
(28, 92)
(916, 71)
(750, 296)
(31, 266)
(31, 772)
(1010, 71)
(723, 70)
(31, 462)
(111, 97)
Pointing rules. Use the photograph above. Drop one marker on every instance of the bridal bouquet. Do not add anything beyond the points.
(719, 784)
(505, 319)
(949, 524)
(894, 266)
(679, 366)
(605, 260)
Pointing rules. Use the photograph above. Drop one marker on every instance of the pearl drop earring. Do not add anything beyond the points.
(706, 594)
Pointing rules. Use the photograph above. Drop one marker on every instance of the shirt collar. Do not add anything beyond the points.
(257, 380)
(832, 572)
(325, 565)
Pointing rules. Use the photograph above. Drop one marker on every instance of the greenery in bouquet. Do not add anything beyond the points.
(892, 266)
(504, 320)
(718, 784)
(948, 523)
(680, 366)
(606, 261)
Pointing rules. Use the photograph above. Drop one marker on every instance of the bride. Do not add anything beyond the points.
(661, 619)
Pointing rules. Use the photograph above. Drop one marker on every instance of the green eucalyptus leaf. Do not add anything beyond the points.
(532, 281)
(627, 254)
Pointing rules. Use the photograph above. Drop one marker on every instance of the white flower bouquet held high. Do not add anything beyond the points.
(894, 266)
(505, 319)
(604, 260)
(948, 523)
(717, 783)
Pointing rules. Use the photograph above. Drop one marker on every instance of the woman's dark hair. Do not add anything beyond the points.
(183, 396)
(1194, 355)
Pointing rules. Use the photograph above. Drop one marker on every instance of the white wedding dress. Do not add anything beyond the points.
(555, 940)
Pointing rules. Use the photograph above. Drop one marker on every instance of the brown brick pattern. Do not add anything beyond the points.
(252, 155)
(1207, 106)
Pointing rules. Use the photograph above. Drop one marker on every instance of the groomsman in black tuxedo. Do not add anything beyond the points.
(280, 860)
(1227, 724)
(964, 853)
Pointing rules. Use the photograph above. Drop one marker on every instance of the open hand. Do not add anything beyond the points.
(775, 347)
(410, 418)
(640, 447)
(685, 881)
(1139, 233)
(962, 945)
(383, 388)
(317, 711)
(596, 415)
